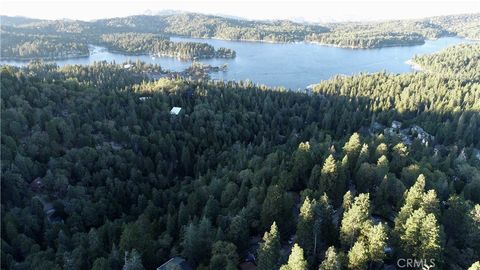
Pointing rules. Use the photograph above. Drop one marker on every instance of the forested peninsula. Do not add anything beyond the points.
(458, 61)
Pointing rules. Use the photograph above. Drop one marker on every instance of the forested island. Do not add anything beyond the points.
(105, 167)
(151, 44)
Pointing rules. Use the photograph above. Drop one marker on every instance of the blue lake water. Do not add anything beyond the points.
(293, 65)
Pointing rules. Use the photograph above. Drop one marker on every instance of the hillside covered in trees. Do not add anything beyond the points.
(463, 25)
(69, 40)
(461, 60)
(399, 32)
(351, 35)
(21, 46)
(97, 173)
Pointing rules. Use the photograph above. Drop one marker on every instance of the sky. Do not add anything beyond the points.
(302, 10)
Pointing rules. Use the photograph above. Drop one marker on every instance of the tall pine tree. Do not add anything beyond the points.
(296, 260)
(331, 182)
(355, 220)
(269, 250)
(332, 261)
(421, 238)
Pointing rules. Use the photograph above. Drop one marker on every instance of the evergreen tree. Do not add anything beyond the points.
(138, 235)
(363, 156)
(305, 226)
(205, 234)
(224, 256)
(239, 231)
(269, 250)
(358, 256)
(191, 244)
(212, 209)
(296, 260)
(277, 208)
(456, 219)
(413, 199)
(345, 170)
(302, 166)
(399, 158)
(376, 243)
(324, 229)
(383, 166)
(473, 236)
(475, 266)
(416, 198)
(183, 215)
(315, 177)
(389, 194)
(330, 181)
(430, 203)
(332, 261)
(421, 239)
(381, 150)
(101, 264)
(133, 261)
(352, 149)
(366, 177)
(355, 220)
(347, 201)
(197, 241)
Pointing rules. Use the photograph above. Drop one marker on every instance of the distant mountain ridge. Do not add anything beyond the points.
(16, 20)
(196, 25)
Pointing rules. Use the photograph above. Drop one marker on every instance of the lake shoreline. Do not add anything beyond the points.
(321, 43)
(414, 66)
(153, 54)
(363, 48)
(291, 65)
(47, 59)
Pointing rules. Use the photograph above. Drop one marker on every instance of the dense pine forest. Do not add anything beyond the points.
(47, 47)
(151, 44)
(21, 46)
(398, 33)
(359, 172)
(458, 61)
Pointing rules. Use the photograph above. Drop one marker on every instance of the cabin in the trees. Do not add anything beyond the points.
(396, 125)
(37, 185)
(49, 210)
(394, 129)
(408, 134)
(175, 110)
(422, 135)
(175, 263)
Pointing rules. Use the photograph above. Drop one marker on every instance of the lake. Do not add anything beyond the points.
(293, 65)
